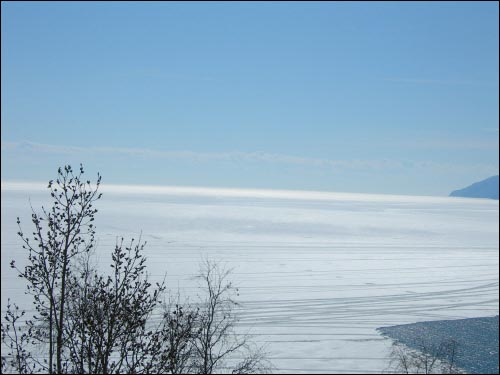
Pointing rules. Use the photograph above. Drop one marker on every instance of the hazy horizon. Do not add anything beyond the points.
(39, 186)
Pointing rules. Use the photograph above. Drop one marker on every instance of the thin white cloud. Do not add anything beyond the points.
(27, 147)
(236, 156)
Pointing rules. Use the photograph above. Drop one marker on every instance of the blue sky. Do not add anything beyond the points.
(357, 97)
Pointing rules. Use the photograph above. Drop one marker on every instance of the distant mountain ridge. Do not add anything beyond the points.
(483, 189)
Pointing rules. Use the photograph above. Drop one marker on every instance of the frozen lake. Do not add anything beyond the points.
(317, 272)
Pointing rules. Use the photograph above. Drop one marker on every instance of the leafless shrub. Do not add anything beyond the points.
(217, 340)
(428, 358)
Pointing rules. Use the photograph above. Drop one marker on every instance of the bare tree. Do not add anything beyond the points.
(109, 315)
(180, 330)
(18, 358)
(426, 358)
(216, 340)
(61, 233)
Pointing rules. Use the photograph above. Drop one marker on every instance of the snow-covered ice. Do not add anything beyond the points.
(317, 272)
